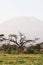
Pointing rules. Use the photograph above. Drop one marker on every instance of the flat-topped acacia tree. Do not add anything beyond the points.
(20, 40)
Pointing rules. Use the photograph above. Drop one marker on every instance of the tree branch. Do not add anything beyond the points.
(14, 42)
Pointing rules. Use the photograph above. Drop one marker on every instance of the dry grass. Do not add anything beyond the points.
(21, 59)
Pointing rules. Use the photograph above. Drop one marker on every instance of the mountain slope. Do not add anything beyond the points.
(30, 25)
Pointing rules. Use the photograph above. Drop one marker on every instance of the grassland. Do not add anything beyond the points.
(21, 59)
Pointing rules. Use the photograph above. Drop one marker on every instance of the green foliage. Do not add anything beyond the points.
(21, 62)
(1, 61)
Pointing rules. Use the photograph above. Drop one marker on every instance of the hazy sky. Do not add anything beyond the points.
(32, 8)
(11, 8)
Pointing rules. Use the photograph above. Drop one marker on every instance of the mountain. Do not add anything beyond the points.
(29, 25)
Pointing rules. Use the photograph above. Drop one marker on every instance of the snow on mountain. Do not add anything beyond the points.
(29, 25)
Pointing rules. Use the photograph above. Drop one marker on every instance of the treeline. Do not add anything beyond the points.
(14, 48)
(19, 45)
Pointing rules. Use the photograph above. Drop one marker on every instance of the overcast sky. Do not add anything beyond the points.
(11, 8)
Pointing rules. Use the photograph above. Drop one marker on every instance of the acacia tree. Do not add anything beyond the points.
(20, 40)
(2, 38)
